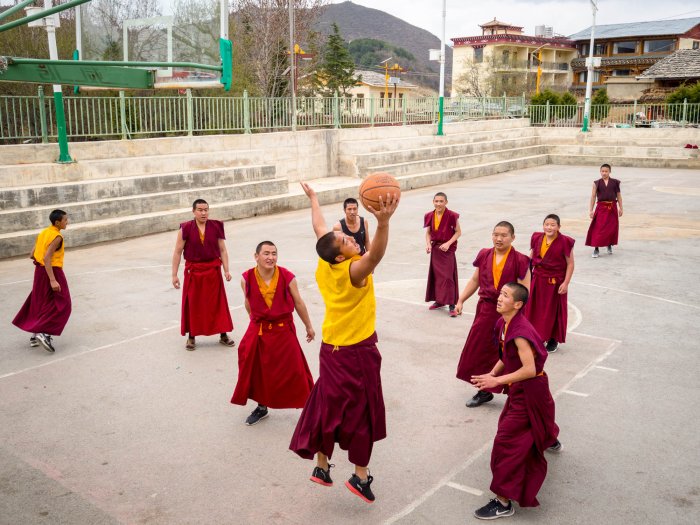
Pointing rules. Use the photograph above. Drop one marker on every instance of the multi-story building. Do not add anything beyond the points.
(627, 50)
(503, 59)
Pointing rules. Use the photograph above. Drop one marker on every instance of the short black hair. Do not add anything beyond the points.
(553, 217)
(440, 194)
(56, 215)
(520, 293)
(260, 245)
(349, 201)
(506, 224)
(327, 248)
(199, 201)
(606, 166)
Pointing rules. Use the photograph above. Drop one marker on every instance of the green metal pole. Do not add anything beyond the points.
(12, 10)
(63, 155)
(547, 114)
(246, 112)
(371, 111)
(685, 112)
(41, 14)
(122, 113)
(42, 115)
(441, 107)
(190, 113)
(336, 111)
(634, 114)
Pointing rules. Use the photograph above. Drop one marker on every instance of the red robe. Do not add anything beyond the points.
(605, 225)
(272, 369)
(45, 311)
(546, 309)
(480, 352)
(443, 285)
(526, 427)
(204, 304)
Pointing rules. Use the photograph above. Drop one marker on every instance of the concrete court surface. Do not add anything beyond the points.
(122, 425)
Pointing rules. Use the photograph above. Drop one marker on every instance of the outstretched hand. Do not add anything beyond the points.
(386, 208)
(310, 193)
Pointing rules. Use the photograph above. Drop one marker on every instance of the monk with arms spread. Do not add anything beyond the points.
(272, 369)
(346, 405)
(441, 233)
(605, 223)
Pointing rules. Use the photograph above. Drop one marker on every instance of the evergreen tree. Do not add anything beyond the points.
(337, 71)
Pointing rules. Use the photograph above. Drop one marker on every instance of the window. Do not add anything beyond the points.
(621, 48)
(696, 45)
(381, 99)
(600, 49)
(478, 54)
(582, 77)
(505, 57)
(400, 100)
(659, 46)
(621, 72)
(583, 49)
(360, 101)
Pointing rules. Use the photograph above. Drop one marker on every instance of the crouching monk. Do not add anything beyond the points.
(526, 427)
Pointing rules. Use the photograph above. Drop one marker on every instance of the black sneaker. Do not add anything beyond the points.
(610, 250)
(479, 399)
(494, 509)
(45, 341)
(556, 447)
(552, 346)
(322, 477)
(256, 416)
(361, 488)
(33, 342)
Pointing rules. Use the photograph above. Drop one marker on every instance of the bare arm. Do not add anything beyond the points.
(471, 287)
(527, 371)
(526, 280)
(55, 245)
(458, 232)
(592, 203)
(428, 245)
(317, 220)
(224, 258)
(245, 299)
(177, 255)
(360, 270)
(368, 240)
(337, 227)
(564, 288)
(300, 307)
(619, 204)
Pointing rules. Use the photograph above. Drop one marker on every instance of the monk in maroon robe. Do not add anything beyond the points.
(272, 369)
(204, 304)
(46, 311)
(494, 267)
(605, 223)
(526, 427)
(441, 233)
(552, 255)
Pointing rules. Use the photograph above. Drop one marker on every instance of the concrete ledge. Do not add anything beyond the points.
(629, 162)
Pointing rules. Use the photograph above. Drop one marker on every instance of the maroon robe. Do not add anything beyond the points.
(45, 311)
(480, 352)
(346, 405)
(443, 285)
(204, 304)
(526, 427)
(272, 369)
(546, 309)
(605, 224)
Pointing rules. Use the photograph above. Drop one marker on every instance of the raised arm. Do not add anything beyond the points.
(177, 254)
(317, 220)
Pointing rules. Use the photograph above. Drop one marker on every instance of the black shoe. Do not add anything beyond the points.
(479, 398)
(552, 346)
(494, 509)
(596, 253)
(45, 341)
(33, 342)
(361, 488)
(556, 447)
(322, 477)
(256, 416)
(610, 250)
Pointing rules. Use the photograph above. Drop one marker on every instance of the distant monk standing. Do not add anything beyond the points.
(354, 225)
(204, 304)
(605, 225)
(441, 233)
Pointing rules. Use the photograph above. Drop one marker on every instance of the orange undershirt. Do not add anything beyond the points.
(544, 247)
(498, 267)
(268, 290)
(437, 220)
(201, 234)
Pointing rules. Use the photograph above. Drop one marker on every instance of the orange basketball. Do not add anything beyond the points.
(377, 184)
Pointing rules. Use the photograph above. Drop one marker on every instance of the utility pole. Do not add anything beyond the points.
(589, 79)
(441, 103)
(293, 70)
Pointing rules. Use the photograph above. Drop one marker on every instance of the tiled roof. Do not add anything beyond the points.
(684, 63)
(374, 78)
(653, 28)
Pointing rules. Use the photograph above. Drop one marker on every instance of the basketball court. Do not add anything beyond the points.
(123, 425)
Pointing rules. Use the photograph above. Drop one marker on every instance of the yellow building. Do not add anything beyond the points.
(503, 59)
(373, 84)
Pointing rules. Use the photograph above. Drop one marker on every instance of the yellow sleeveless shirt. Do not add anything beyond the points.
(43, 240)
(350, 311)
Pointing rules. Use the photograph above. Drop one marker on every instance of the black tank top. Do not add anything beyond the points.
(359, 235)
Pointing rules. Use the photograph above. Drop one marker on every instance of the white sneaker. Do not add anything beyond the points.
(596, 253)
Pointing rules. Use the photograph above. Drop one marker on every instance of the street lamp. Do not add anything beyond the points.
(539, 67)
(589, 79)
(441, 104)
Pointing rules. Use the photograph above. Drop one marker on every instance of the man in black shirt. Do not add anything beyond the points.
(354, 225)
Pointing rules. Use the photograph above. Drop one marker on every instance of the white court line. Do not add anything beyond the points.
(414, 303)
(464, 488)
(607, 368)
(91, 350)
(578, 317)
(574, 393)
(638, 294)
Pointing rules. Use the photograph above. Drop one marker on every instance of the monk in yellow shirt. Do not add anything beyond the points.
(346, 405)
(48, 307)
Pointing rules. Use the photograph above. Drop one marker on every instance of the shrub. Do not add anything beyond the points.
(600, 105)
(567, 106)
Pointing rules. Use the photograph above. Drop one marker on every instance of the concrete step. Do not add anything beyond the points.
(48, 173)
(458, 161)
(622, 151)
(62, 194)
(82, 212)
(624, 161)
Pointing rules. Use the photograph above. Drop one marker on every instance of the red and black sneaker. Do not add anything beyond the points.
(322, 477)
(361, 487)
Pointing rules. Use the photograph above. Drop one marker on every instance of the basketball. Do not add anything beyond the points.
(377, 184)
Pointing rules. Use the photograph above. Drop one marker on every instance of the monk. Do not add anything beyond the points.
(272, 369)
(204, 304)
(46, 311)
(605, 223)
(494, 267)
(441, 233)
(354, 225)
(552, 255)
(526, 427)
(346, 405)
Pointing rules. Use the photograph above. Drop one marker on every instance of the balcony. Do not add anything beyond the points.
(524, 65)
